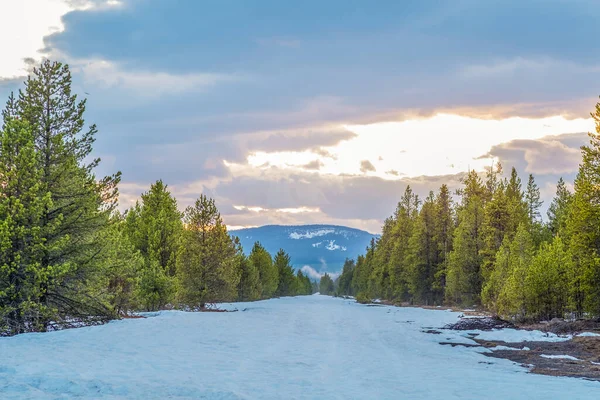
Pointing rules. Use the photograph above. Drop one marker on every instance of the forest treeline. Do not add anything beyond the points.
(69, 257)
(488, 246)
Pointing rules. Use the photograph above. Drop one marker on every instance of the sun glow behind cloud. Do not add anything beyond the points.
(25, 23)
(440, 145)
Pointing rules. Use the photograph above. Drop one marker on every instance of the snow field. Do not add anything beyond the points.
(312, 347)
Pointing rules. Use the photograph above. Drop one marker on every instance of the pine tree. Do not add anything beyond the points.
(396, 286)
(344, 281)
(249, 287)
(532, 199)
(364, 271)
(444, 229)
(326, 286)
(583, 228)
(154, 228)
(117, 278)
(504, 292)
(559, 208)
(267, 271)
(80, 205)
(22, 208)
(304, 283)
(285, 273)
(207, 264)
(547, 283)
(463, 283)
(422, 256)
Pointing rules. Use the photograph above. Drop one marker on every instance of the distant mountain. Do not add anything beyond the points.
(317, 248)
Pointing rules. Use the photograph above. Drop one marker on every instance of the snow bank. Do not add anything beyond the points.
(508, 348)
(560, 357)
(516, 336)
(588, 334)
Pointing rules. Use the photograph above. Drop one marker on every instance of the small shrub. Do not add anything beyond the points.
(363, 298)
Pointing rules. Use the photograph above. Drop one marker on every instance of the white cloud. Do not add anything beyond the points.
(148, 83)
(315, 275)
(25, 23)
(23, 26)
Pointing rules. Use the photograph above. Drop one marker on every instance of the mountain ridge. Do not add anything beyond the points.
(314, 248)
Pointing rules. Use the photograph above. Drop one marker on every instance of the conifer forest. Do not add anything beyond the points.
(68, 257)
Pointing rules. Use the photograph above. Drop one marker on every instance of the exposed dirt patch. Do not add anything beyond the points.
(585, 350)
(479, 323)
(131, 316)
(561, 327)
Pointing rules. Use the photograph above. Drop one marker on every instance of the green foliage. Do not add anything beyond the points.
(69, 207)
(208, 261)
(423, 256)
(505, 292)
(326, 286)
(286, 285)
(22, 206)
(344, 281)
(547, 283)
(154, 288)
(249, 287)
(117, 277)
(558, 211)
(304, 285)
(154, 227)
(363, 298)
(268, 274)
(463, 284)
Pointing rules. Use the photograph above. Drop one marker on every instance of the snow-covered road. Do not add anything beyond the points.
(312, 347)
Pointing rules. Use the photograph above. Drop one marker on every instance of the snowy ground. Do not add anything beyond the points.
(312, 347)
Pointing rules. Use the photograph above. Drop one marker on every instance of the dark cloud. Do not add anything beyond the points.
(367, 166)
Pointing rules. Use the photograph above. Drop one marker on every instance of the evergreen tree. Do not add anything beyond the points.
(559, 208)
(344, 281)
(583, 227)
(463, 284)
(363, 271)
(22, 208)
(326, 286)
(154, 228)
(532, 199)
(249, 287)
(504, 292)
(117, 278)
(394, 279)
(546, 283)
(267, 271)
(422, 257)
(208, 261)
(286, 274)
(444, 230)
(304, 286)
(80, 205)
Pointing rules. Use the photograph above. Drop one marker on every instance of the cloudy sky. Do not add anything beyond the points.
(318, 111)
